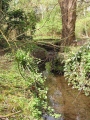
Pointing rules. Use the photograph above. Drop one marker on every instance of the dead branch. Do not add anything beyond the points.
(9, 115)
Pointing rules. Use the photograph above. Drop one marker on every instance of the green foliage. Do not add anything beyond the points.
(48, 66)
(18, 19)
(5, 5)
(12, 85)
(17, 14)
(50, 26)
(82, 27)
(34, 81)
(21, 89)
(31, 21)
(56, 65)
(77, 69)
(26, 60)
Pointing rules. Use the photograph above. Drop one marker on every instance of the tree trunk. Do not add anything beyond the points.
(68, 11)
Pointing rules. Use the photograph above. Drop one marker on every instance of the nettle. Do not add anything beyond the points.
(35, 83)
(77, 69)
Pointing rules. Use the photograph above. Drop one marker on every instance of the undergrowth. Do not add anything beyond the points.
(77, 69)
(13, 97)
(23, 95)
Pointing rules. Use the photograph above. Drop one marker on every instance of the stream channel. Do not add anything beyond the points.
(70, 103)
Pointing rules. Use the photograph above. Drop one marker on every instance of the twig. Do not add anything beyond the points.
(9, 115)
(76, 96)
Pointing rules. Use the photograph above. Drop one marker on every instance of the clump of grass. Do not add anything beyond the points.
(13, 97)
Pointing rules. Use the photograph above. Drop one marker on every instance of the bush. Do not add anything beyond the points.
(77, 69)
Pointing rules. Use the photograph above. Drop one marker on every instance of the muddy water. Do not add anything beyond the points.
(71, 103)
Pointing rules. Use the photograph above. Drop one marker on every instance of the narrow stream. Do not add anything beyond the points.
(70, 103)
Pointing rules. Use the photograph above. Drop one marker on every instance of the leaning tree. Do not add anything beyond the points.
(68, 12)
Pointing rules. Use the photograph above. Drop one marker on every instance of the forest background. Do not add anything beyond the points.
(29, 27)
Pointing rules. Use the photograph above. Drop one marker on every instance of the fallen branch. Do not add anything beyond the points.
(9, 115)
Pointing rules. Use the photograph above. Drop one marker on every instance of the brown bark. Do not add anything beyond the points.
(68, 11)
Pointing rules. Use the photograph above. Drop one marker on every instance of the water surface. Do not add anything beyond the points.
(71, 103)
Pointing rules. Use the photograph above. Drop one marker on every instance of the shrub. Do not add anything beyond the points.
(38, 103)
(77, 69)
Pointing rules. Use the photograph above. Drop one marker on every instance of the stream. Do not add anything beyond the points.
(70, 103)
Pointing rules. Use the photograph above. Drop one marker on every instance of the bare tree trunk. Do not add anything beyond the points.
(68, 11)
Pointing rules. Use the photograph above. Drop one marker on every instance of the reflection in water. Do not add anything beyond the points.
(47, 117)
(70, 103)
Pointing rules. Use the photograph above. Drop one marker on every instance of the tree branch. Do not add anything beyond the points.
(5, 37)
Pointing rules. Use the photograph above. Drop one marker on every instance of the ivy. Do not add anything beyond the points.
(77, 69)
